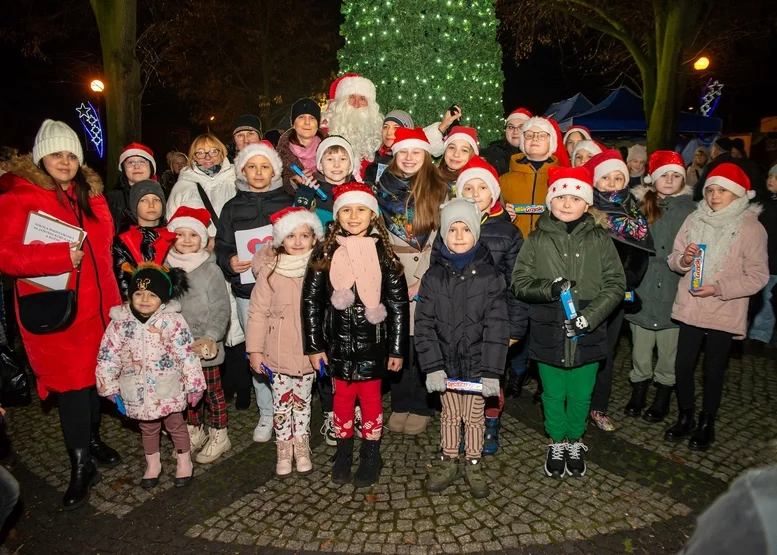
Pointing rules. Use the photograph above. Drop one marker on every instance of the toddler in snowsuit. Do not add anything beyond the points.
(462, 333)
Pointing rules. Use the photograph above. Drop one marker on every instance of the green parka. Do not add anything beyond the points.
(586, 256)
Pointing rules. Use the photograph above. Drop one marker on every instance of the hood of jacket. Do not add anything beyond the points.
(24, 168)
(123, 312)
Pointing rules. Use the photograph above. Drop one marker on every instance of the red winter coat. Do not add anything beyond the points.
(66, 360)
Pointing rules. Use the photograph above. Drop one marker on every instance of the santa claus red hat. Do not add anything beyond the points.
(606, 162)
(543, 124)
(410, 138)
(196, 219)
(662, 161)
(352, 83)
(477, 168)
(578, 129)
(285, 221)
(569, 181)
(469, 134)
(137, 149)
(732, 178)
(354, 193)
(521, 114)
(262, 148)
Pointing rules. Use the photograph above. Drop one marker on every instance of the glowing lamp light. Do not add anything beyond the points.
(701, 64)
(97, 86)
(212, 118)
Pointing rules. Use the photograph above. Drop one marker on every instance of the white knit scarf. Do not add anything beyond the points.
(188, 262)
(290, 265)
(718, 230)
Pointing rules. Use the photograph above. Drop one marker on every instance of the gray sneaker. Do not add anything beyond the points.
(444, 473)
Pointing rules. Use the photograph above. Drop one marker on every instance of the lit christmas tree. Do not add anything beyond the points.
(424, 55)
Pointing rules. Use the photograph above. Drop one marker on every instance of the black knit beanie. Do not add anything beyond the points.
(153, 279)
(247, 122)
(140, 190)
(305, 106)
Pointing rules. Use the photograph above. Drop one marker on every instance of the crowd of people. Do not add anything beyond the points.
(396, 255)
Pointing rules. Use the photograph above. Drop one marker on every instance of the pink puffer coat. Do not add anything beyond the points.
(150, 366)
(744, 273)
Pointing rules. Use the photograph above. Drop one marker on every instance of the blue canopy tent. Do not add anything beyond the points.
(622, 112)
(568, 108)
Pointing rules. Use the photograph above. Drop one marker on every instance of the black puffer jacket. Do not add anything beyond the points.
(247, 210)
(139, 244)
(356, 349)
(504, 242)
(118, 203)
(498, 154)
(461, 322)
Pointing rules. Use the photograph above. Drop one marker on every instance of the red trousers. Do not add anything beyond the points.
(494, 405)
(368, 392)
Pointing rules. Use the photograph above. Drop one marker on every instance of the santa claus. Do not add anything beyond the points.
(354, 114)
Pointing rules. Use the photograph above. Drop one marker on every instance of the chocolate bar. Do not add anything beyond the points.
(463, 386)
(529, 208)
(697, 269)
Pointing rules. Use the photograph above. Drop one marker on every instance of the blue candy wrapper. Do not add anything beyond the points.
(569, 307)
(120, 405)
(628, 296)
(269, 372)
(321, 368)
(321, 194)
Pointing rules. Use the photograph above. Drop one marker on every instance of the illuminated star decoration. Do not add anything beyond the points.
(710, 97)
(91, 122)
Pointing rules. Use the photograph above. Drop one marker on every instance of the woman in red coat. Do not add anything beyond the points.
(53, 180)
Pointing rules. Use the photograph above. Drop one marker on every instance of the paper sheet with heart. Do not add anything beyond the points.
(248, 242)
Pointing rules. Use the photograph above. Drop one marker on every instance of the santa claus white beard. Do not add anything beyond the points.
(359, 126)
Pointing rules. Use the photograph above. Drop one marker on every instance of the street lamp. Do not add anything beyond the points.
(702, 63)
(97, 86)
(212, 118)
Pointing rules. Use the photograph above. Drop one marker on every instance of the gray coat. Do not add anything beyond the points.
(659, 286)
(205, 307)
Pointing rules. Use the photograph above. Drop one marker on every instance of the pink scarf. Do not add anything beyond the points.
(356, 261)
(306, 154)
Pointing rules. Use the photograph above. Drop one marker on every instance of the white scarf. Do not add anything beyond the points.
(188, 262)
(718, 230)
(288, 265)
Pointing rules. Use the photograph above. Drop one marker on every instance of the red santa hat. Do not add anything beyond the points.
(606, 162)
(477, 168)
(352, 83)
(137, 149)
(262, 148)
(569, 181)
(732, 178)
(285, 221)
(469, 134)
(521, 114)
(662, 161)
(196, 219)
(410, 138)
(354, 193)
(578, 129)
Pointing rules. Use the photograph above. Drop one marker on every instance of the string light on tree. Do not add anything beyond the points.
(426, 63)
(90, 119)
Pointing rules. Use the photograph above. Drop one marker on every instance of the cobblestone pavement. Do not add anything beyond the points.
(640, 495)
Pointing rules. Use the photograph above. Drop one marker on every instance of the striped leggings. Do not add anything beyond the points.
(457, 408)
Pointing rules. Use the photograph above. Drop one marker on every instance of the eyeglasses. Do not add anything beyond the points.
(540, 136)
(136, 163)
(202, 154)
(511, 128)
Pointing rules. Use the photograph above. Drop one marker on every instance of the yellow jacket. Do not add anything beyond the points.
(523, 185)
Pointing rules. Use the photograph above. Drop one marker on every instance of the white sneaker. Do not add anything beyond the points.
(263, 430)
(218, 444)
(197, 437)
(328, 429)
(357, 422)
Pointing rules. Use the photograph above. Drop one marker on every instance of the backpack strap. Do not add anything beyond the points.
(206, 201)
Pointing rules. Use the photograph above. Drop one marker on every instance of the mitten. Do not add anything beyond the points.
(576, 327)
(490, 387)
(435, 381)
(559, 286)
(194, 398)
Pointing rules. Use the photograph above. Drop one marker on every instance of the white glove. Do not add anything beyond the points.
(435, 381)
(490, 387)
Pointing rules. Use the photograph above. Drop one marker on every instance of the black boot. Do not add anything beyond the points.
(704, 435)
(537, 398)
(100, 452)
(639, 391)
(341, 469)
(660, 407)
(685, 425)
(83, 476)
(370, 463)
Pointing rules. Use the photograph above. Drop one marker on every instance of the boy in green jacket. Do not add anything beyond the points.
(569, 250)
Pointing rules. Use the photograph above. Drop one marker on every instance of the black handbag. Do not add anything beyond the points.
(14, 382)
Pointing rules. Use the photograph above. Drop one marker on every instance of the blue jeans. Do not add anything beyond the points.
(261, 384)
(762, 326)
(9, 494)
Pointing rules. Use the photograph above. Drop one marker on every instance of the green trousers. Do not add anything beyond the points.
(644, 341)
(566, 398)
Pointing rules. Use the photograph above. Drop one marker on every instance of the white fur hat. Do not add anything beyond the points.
(545, 126)
(287, 220)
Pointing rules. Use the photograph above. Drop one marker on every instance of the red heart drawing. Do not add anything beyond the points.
(256, 244)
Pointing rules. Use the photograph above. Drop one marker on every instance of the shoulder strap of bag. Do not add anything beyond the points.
(208, 205)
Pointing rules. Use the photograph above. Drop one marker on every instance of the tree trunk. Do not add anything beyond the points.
(117, 23)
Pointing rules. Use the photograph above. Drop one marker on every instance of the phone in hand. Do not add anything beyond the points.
(452, 110)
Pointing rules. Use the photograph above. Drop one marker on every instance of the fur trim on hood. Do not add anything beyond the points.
(640, 190)
(24, 168)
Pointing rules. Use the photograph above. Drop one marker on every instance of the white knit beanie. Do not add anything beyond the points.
(262, 148)
(56, 136)
(334, 140)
